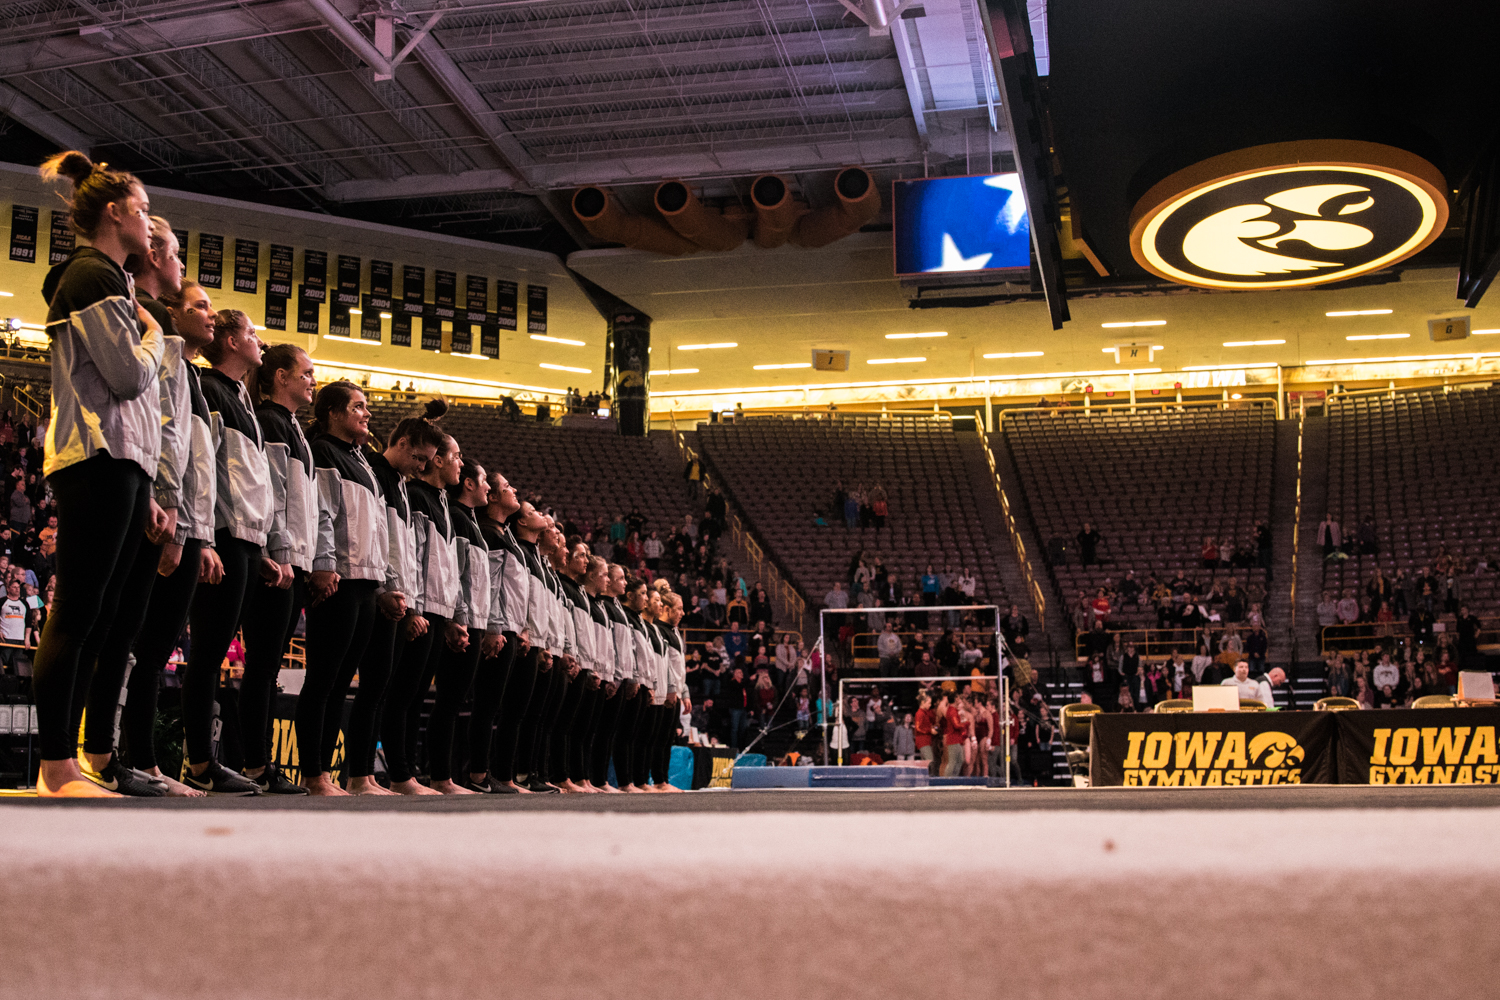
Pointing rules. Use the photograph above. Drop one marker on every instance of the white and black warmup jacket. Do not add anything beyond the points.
(580, 624)
(293, 532)
(676, 660)
(242, 497)
(351, 538)
(510, 578)
(473, 611)
(403, 574)
(437, 553)
(624, 640)
(604, 638)
(105, 367)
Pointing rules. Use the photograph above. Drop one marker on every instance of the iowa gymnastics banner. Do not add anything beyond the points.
(1213, 748)
(1420, 746)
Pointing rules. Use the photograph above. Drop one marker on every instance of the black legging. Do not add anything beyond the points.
(165, 616)
(631, 710)
(562, 729)
(548, 698)
(364, 716)
(337, 630)
(519, 687)
(215, 615)
(455, 676)
(102, 505)
(405, 687)
(661, 761)
(604, 737)
(268, 628)
(110, 654)
(581, 737)
(645, 743)
(490, 685)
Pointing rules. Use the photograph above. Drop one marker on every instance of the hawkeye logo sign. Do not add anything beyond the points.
(1435, 755)
(1289, 215)
(1208, 758)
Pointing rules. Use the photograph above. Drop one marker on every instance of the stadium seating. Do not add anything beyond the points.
(1425, 465)
(780, 470)
(1154, 484)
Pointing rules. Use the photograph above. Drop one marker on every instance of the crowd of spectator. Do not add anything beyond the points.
(1392, 675)
(28, 543)
(1219, 605)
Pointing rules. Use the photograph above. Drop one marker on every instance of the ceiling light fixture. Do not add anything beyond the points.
(894, 361)
(476, 357)
(385, 315)
(1252, 343)
(794, 364)
(566, 368)
(1358, 312)
(558, 340)
(1015, 354)
(1402, 357)
(7, 295)
(351, 340)
(706, 347)
(914, 336)
(1379, 336)
(1141, 322)
(1111, 350)
(356, 312)
(1482, 332)
(674, 371)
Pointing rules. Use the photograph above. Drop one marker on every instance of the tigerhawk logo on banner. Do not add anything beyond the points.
(1435, 755)
(1208, 758)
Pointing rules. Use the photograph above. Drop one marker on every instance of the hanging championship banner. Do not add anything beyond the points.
(400, 330)
(347, 293)
(23, 234)
(307, 309)
(210, 260)
(1213, 748)
(338, 320)
(182, 242)
(279, 283)
(275, 312)
(505, 304)
(61, 240)
(315, 275)
(1419, 746)
(413, 290)
(246, 266)
(444, 306)
(536, 308)
(381, 280)
(369, 323)
(489, 338)
(462, 341)
(476, 293)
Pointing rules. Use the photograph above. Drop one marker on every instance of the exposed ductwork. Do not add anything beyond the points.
(605, 218)
(695, 221)
(775, 210)
(858, 203)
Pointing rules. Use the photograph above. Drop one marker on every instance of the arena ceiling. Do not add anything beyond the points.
(479, 118)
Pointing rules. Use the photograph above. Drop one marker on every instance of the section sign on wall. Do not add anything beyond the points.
(62, 240)
(23, 234)
(247, 266)
(505, 304)
(210, 260)
(536, 308)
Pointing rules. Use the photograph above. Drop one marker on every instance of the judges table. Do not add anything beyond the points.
(1436, 746)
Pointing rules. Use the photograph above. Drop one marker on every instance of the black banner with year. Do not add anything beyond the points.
(247, 266)
(62, 241)
(210, 260)
(505, 304)
(315, 275)
(400, 330)
(462, 341)
(23, 234)
(1213, 748)
(536, 308)
(1419, 746)
(413, 290)
(308, 308)
(347, 293)
(476, 293)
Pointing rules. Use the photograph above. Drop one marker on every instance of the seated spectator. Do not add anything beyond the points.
(1328, 610)
(1100, 604)
(1250, 689)
(1348, 609)
(1209, 554)
(1337, 682)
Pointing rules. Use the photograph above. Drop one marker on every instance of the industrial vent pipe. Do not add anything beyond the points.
(858, 203)
(604, 217)
(696, 221)
(775, 211)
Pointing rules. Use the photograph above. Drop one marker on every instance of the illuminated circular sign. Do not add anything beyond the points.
(1289, 215)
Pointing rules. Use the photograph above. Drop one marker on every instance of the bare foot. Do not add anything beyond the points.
(367, 785)
(448, 787)
(609, 789)
(411, 786)
(585, 786)
(669, 787)
(323, 785)
(634, 790)
(175, 788)
(61, 779)
(570, 788)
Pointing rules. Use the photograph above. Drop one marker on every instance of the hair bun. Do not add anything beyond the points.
(435, 408)
(75, 166)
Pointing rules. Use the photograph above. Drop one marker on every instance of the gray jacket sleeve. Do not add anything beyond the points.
(278, 546)
(330, 503)
(128, 368)
(176, 427)
(463, 610)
